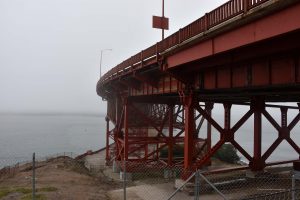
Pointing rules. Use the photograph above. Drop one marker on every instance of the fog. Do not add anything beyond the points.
(50, 50)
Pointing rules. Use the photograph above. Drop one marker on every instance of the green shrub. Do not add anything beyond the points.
(47, 189)
(27, 192)
(227, 153)
(4, 192)
(23, 190)
(37, 197)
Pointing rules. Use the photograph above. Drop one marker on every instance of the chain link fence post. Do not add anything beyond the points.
(213, 186)
(197, 185)
(124, 178)
(33, 176)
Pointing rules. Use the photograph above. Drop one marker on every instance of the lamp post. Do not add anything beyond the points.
(163, 16)
(102, 50)
(161, 22)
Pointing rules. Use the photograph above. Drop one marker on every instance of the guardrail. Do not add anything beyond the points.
(217, 16)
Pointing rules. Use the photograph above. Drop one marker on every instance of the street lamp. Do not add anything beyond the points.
(102, 50)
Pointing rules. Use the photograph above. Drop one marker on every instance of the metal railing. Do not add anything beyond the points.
(217, 16)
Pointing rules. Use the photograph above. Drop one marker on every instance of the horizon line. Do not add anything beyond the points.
(51, 113)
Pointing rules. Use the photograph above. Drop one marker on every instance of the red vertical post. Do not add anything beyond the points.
(258, 106)
(257, 136)
(126, 145)
(117, 118)
(189, 129)
(170, 151)
(208, 107)
(207, 22)
(107, 158)
(157, 152)
(118, 110)
(283, 117)
(227, 117)
(245, 5)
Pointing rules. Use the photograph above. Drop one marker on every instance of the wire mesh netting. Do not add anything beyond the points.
(76, 177)
(153, 181)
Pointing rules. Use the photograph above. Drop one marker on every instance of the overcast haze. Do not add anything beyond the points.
(50, 50)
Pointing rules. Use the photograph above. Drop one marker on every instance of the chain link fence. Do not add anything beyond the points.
(42, 178)
(154, 181)
(122, 180)
(9, 166)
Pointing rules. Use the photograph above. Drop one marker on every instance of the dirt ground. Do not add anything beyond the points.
(58, 179)
(66, 179)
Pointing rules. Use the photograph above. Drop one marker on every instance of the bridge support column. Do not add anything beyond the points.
(170, 151)
(189, 129)
(257, 163)
(118, 109)
(229, 137)
(208, 107)
(126, 140)
(107, 156)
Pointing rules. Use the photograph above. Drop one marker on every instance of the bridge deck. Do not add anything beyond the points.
(246, 52)
(236, 47)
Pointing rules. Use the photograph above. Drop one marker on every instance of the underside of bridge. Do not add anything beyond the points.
(164, 98)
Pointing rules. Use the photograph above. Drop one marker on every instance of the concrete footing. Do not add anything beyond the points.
(115, 167)
(188, 188)
(128, 176)
(169, 174)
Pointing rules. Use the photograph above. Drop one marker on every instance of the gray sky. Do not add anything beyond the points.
(50, 49)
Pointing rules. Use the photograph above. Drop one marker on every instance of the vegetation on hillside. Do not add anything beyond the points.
(227, 153)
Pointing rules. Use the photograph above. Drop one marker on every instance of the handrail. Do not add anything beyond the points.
(217, 16)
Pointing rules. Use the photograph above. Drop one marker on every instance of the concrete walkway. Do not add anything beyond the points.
(96, 162)
(156, 192)
(162, 191)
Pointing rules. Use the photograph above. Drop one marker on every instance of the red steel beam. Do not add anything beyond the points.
(208, 106)
(126, 135)
(107, 157)
(193, 29)
(258, 106)
(189, 129)
(171, 139)
(264, 28)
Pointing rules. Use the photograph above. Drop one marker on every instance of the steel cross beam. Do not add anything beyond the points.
(283, 131)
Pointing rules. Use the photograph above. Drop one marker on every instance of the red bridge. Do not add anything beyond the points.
(245, 52)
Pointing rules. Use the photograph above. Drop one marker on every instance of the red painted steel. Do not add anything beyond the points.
(160, 22)
(211, 19)
(236, 54)
(107, 156)
(260, 30)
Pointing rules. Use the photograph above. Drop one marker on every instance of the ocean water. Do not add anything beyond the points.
(21, 135)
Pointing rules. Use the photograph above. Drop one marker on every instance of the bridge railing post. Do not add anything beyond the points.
(245, 5)
(207, 22)
(142, 57)
(179, 36)
(156, 50)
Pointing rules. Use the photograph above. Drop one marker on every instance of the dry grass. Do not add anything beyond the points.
(62, 178)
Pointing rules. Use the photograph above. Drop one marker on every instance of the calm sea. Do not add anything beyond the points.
(21, 135)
